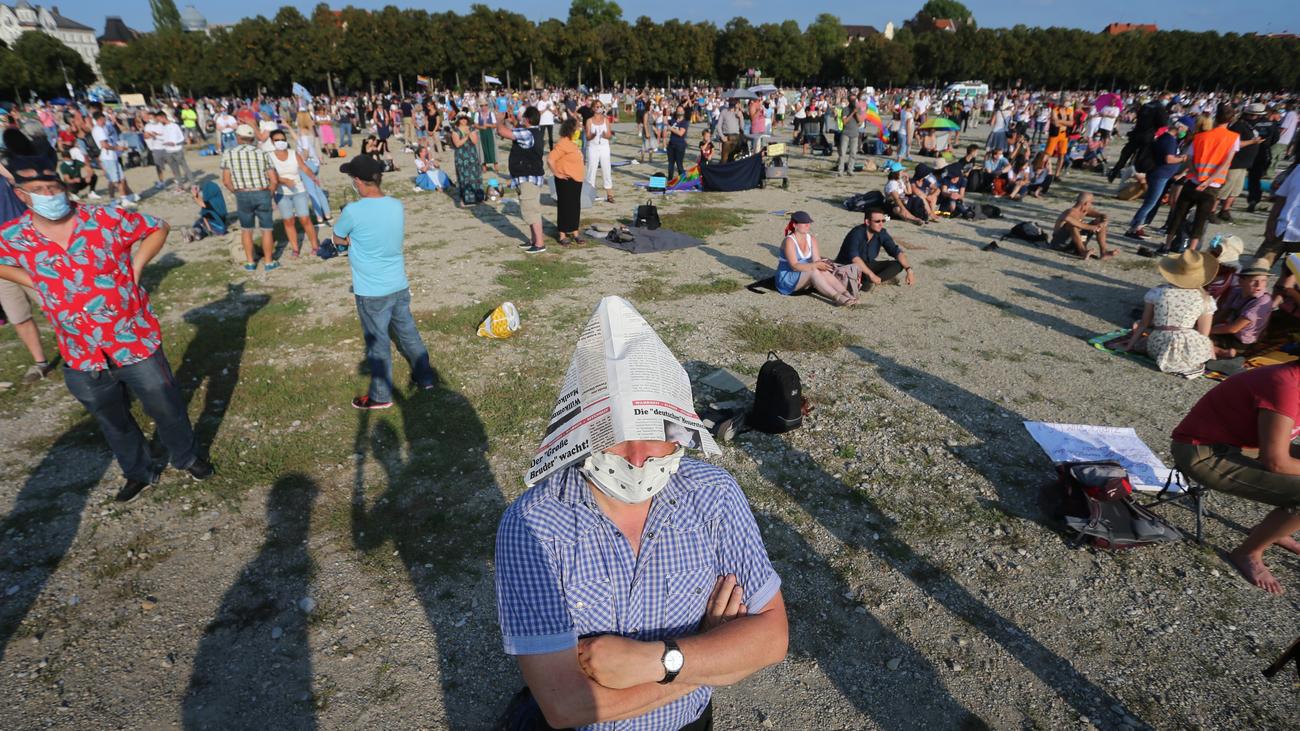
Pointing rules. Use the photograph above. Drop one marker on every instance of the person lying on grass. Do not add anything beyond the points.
(1076, 224)
(1256, 409)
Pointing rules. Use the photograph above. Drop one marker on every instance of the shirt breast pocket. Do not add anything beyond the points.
(591, 607)
(685, 594)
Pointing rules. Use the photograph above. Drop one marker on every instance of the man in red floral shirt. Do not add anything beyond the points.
(85, 263)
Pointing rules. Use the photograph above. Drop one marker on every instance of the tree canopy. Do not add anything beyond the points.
(46, 59)
(355, 48)
(947, 9)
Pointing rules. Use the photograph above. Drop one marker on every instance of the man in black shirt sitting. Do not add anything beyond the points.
(862, 246)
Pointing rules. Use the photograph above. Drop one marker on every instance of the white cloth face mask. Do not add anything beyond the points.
(620, 480)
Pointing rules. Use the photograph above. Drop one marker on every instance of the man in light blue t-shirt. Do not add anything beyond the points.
(373, 229)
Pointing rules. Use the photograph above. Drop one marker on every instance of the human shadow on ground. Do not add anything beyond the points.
(39, 530)
(1104, 301)
(1064, 327)
(1004, 450)
(438, 509)
(740, 264)
(214, 354)
(253, 665)
(494, 216)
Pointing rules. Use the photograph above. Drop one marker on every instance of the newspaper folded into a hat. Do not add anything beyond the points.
(623, 383)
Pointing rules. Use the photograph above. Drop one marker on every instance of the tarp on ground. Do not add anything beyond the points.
(648, 241)
(730, 176)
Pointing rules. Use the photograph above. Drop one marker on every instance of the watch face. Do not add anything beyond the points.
(673, 661)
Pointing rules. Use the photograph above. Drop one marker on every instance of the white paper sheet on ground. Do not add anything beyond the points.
(623, 383)
(1083, 443)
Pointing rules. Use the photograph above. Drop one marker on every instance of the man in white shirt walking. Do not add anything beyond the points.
(110, 145)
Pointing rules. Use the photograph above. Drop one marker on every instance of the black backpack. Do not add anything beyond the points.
(1093, 502)
(778, 398)
(990, 211)
(863, 202)
(647, 216)
(1026, 231)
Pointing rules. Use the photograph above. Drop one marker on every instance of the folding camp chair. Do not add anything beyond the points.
(1292, 654)
(1192, 494)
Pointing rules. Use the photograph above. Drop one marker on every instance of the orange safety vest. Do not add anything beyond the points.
(1211, 150)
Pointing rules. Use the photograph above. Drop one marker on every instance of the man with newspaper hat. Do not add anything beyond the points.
(631, 578)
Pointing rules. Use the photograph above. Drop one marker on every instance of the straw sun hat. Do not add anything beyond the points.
(1188, 270)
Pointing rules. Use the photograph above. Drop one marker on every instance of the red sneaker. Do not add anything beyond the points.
(364, 402)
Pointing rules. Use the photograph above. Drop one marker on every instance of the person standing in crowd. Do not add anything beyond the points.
(566, 163)
(345, 118)
(172, 150)
(190, 123)
(226, 124)
(527, 173)
(1282, 230)
(599, 130)
(1151, 117)
(247, 172)
(1268, 130)
(729, 130)
(678, 128)
(109, 339)
(106, 139)
(290, 171)
(1058, 135)
(1166, 158)
(1212, 153)
(486, 121)
(469, 170)
(850, 137)
(373, 229)
(1248, 148)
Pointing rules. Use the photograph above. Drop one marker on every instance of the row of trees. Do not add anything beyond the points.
(43, 64)
(355, 49)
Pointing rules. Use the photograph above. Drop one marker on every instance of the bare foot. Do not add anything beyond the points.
(1288, 543)
(1110, 254)
(1255, 572)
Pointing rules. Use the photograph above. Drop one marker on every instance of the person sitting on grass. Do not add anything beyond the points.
(1018, 177)
(1040, 176)
(925, 188)
(995, 168)
(1227, 249)
(801, 264)
(952, 191)
(1254, 409)
(1178, 316)
(1244, 313)
(899, 198)
(1078, 223)
(862, 246)
(77, 176)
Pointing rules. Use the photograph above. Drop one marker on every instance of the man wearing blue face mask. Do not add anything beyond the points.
(84, 262)
(631, 578)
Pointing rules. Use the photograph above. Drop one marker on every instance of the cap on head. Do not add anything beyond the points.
(800, 217)
(363, 167)
(245, 131)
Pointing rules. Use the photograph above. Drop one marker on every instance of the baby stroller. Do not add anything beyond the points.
(776, 167)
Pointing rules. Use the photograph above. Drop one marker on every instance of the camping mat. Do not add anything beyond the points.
(660, 239)
(1272, 352)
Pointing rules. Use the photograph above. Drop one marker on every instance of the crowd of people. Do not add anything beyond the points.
(1193, 154)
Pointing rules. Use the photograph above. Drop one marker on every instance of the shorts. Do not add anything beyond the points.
(254, 209)
(112, 169)
(1224, 468)
(1236, 181)
(294, 205)
(530, 202)
(16, 301)
(1058, 145)
(159, 161)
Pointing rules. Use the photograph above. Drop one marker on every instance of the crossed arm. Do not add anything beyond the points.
(609, 677)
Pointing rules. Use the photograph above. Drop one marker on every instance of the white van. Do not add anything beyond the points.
(966, 90)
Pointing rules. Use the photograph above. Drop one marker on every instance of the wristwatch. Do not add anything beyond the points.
(672, 661)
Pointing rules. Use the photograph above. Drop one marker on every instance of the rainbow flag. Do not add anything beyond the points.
(873, 116)
(685, 182)
(423, 80)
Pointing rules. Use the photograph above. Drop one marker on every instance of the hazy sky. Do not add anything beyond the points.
(1260, 16)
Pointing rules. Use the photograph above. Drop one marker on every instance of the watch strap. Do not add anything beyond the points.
(669, 675)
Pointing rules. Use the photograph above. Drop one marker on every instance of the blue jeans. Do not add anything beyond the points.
(1147, 211)
(378, 316)
(107, 396)
(345, 134)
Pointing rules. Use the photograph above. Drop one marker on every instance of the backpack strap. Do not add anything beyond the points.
(771, 355)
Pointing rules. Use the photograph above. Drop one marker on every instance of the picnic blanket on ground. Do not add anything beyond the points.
(648, 241)
(1271, 352)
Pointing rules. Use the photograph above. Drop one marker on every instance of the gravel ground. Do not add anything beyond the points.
(923, 587)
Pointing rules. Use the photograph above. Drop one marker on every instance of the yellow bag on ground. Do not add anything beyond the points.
(502, 322)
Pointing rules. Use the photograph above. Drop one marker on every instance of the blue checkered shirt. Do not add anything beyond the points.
(564, 571)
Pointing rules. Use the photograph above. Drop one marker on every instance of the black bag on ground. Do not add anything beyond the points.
(1093, 503)
(647, 216)
(778, 398)
(1026, 231)
(863, 202)
(977, 181)
(990, 211)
